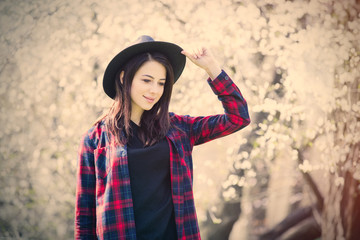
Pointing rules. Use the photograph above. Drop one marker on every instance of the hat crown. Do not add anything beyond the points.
(144, 38)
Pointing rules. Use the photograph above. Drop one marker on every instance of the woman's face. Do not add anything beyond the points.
(147, 87)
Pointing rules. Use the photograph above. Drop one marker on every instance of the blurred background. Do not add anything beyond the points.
(293, 173)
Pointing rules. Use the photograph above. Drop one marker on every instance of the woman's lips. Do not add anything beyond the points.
(150, 100)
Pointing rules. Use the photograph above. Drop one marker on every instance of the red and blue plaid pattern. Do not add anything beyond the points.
(104, 207)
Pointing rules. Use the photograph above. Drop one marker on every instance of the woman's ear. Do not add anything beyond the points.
(122, 77)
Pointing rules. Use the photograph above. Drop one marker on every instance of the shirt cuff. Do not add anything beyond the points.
(220, 83)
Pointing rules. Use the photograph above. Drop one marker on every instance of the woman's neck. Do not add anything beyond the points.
(136, 117)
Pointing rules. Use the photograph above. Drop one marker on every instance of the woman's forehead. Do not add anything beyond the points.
(153, 69)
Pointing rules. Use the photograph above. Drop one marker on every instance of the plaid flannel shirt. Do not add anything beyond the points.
(104, 207)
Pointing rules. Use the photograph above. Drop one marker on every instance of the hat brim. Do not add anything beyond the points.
(170, 50)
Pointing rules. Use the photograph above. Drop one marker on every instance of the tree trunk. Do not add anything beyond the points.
(341, 214)
(293, 219)
(227, 215)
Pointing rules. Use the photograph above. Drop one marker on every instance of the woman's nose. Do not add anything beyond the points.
(155, 88)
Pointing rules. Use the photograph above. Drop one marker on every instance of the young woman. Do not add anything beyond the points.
(135, 171)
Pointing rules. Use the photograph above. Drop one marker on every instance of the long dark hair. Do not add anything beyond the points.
(154, 123)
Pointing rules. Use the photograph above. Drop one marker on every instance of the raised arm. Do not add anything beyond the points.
(236, 115)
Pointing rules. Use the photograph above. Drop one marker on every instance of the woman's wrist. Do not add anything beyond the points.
(213, 71)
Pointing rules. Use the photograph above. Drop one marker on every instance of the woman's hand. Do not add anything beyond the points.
(203, 58)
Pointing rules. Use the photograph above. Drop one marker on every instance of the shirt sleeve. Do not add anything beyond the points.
(85, 215)
(235, 117)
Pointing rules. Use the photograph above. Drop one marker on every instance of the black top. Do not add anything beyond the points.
(150, 182)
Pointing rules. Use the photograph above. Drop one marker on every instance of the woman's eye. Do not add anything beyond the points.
(146, 80)
(162, 83)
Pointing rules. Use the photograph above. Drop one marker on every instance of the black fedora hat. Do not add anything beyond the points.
(143, 44)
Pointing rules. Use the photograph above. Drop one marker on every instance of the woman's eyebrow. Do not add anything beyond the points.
(146, 75)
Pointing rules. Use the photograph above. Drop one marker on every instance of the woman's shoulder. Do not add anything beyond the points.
(96, 133)
(179, 121)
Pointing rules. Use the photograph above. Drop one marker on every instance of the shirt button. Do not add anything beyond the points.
(121, 153)
(227, 78)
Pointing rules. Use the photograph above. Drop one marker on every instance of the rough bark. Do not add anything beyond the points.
(290, 221)
(341, 214)
(309, 229)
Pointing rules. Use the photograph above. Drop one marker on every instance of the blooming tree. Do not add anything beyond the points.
(307, 117)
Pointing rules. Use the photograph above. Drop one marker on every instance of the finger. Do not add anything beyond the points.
(196, 54)
(187, 54)
(204, 51)
(199, 52)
